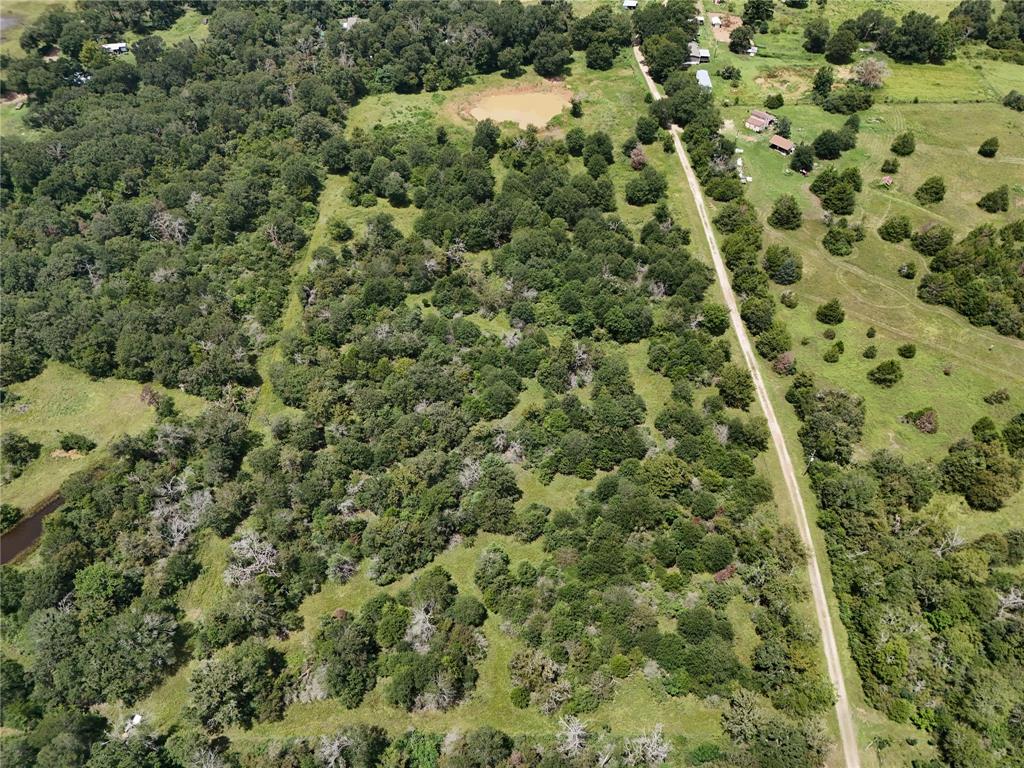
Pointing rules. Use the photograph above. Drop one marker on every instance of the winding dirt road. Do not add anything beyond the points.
(847, 733)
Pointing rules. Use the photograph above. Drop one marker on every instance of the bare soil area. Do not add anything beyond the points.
(729, 23)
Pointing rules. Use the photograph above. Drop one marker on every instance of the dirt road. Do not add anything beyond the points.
(848, 736)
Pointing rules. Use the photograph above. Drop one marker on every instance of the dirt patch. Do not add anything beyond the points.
(729, 23)
(786, 80)
(532, 104)
(60, 453)
(15, 100)
(730, 126)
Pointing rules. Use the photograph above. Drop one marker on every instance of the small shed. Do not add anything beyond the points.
(716, 21)
(704, 79)
(630, 5)
(699, 19)
(115, 48)
(781, 144)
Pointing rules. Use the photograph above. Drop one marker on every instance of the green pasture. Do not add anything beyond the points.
(62, 399)
(783, 66)
(978, 360)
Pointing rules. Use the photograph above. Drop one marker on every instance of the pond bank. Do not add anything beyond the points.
(26, 533)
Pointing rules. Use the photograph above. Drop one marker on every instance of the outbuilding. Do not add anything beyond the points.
(781, 144)
(629, 5)
(116, 49)
(716, 21)
(759, 120)
(697, 55)
(704, 79)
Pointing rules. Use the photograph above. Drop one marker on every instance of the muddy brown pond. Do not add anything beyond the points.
(521, 107)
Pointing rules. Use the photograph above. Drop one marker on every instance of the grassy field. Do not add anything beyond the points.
(783, 66)
(979, 360)
(63, 399)
(189, 27)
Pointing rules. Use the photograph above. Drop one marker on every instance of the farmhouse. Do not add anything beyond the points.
(781, 144)
(115, 48)
(704, 79)
(759, 120)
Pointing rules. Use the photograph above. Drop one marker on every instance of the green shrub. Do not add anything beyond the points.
(890, 165)
(786, 213)
(904, 144)
(730, 73)
(10, 515)
(932, 190)
(907, 351)
(339, 229)
(870, 352)
(705, 753)
(886, 374)
(75, 442)
(831, 313)
(998, 397)
(773, 101)
(895, 229)
(989, 147)
(1014, 100)
(838, 241)
(907, 270)
(997, 200)
(619, 666)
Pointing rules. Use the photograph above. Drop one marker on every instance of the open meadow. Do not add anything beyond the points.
(64, 400)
